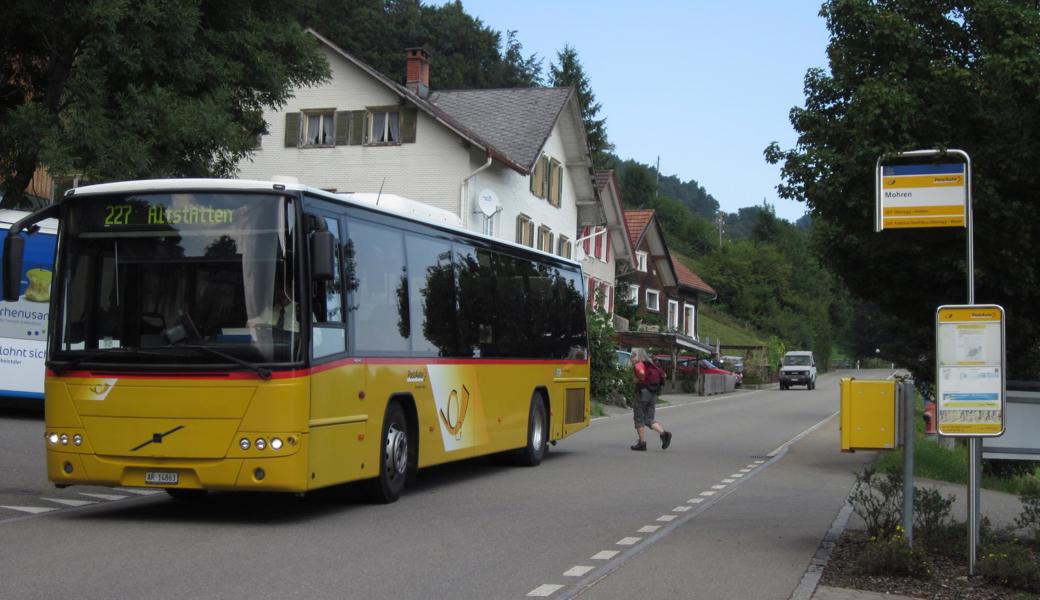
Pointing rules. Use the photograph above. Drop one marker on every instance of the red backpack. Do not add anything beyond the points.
(653, 377)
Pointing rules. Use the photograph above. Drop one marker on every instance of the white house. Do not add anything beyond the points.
(512, 163)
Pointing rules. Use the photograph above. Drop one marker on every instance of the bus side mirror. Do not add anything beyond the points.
(322, 244)
(14, 250)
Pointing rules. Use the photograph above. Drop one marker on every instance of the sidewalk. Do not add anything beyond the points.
(819, 477)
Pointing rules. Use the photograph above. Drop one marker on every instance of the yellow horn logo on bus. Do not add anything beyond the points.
(454, 427)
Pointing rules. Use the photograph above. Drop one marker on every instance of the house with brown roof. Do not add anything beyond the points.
(661, 289)
(511, 163)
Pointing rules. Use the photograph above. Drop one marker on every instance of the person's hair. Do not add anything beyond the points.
(640, 355)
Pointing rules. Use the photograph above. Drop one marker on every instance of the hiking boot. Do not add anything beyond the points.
(666, 440)
(640, 446)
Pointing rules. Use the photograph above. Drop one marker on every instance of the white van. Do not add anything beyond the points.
(798, 368)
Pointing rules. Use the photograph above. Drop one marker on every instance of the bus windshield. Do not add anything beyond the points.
(163, 274)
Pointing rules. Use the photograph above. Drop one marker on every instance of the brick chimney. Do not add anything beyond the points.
(417, 72)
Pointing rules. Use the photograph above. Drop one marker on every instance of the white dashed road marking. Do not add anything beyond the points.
(728, 480)
(628, 541)
(102, 496)
(545, 590)
(68, 502)
(138, 491)
(605, 555)
(708, 493)
(666, 518)
(34, 510)
(681, 508)
(649, 528)
(577, 571)
(718, 487)
(695, 500)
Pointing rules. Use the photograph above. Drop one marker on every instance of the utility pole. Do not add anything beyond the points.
(721, 219)
(657, 171)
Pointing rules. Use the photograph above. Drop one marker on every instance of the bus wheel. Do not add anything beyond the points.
(537, 433)
(394, 456)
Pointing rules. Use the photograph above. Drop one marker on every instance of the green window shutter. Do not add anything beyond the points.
(342, 127)
(409, 119)
(357, 127)
(546, 175)
(292, 130)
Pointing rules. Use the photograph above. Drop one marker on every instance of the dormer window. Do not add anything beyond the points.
(641, 260)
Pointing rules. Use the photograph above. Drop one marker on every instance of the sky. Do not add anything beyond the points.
(705, 86)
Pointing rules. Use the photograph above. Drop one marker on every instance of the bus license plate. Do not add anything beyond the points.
(160, 477)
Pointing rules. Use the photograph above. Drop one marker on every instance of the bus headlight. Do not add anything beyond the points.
(260, 443)
(52, 438)
(77, 439)
(276, 443)
(64, 439)
(244, 443)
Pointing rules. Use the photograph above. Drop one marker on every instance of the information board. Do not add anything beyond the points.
(969, 356)
(922, 194)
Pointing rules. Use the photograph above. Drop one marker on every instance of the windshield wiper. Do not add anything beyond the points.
(92, 354)
(263, 372)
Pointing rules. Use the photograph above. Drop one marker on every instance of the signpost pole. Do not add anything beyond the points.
(906, 394)
(974, 442)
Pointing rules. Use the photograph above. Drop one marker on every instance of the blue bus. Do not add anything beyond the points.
(23, 323)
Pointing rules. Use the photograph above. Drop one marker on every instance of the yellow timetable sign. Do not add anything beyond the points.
(925, 195)
(969, 356)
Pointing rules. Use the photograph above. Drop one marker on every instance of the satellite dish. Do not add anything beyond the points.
(487, 203)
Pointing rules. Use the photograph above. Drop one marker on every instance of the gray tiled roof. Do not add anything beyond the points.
(516, 122)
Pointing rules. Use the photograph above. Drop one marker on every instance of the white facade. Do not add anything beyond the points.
(430, 170)
(440, 167)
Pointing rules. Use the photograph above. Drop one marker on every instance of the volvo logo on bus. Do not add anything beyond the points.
(157, 438)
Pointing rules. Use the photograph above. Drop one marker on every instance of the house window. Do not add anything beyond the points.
(689, 314)
(641, 260)
(673, 315)
(488, 227)
(319, 128)
(524, 231)
(653, 300)
(384, 127)
(632, 294)
(547, 180)
(555, 191)
(563, 247)
(545, 239)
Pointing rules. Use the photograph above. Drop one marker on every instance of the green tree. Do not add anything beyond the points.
(926, 74)
(569, 72)
(116, 90)
(464, 53)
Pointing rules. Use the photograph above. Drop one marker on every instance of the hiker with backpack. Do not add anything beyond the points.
(649, 379)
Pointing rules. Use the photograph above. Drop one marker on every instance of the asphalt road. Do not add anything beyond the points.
(595, 519)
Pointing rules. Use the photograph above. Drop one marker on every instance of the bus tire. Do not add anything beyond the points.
(537, 433)
(394, 456)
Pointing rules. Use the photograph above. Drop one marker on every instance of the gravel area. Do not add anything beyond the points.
(949, 580)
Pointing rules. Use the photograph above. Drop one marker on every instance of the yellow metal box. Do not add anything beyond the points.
(868, 414)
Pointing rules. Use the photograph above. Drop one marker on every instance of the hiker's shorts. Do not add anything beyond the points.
(643, 407)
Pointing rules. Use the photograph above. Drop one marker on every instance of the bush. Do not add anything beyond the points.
(1030, 517)
(931, 514)
(878, 498)
(893, 556)
(1011, 565)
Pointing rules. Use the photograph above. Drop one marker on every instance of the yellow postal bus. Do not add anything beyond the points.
(267, 336)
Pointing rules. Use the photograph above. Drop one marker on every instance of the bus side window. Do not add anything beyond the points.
(379, 305)
(329, 334)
